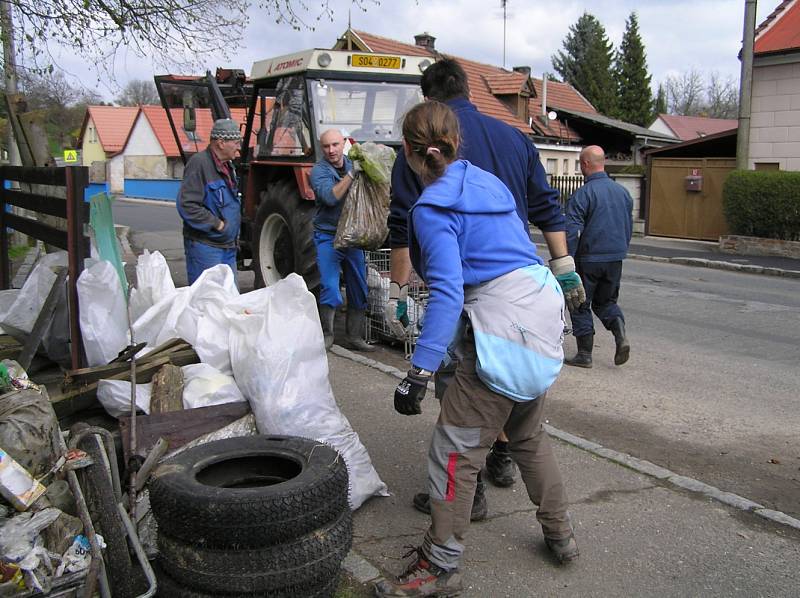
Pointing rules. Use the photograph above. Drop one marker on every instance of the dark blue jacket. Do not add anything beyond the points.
(323, 178)
(205, 198)
(599, 220)
(496, 147)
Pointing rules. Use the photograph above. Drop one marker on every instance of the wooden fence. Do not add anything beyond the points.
(68, 203)
(566, 186)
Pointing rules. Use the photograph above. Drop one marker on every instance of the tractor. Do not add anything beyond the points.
(289, 101)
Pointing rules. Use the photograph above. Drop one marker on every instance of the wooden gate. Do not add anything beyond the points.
(674, 211)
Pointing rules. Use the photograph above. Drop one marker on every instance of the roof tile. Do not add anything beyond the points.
(692, 127)
(780, 31)
(113, 125)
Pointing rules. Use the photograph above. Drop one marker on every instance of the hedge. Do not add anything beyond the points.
(763, 204)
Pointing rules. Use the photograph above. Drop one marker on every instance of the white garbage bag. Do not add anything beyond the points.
(115, 396)
(103, 313)
(204, 385)
(279, 362)
(153, 283)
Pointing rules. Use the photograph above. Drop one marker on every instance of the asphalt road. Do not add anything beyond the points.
(710, 391)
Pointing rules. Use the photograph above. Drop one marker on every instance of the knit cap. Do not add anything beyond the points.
(225, 128)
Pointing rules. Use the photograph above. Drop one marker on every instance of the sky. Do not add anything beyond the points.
(677, 34)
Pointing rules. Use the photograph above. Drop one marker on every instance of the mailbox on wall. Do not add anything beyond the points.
(694, 182)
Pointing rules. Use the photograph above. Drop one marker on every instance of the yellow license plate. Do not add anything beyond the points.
(376, 61)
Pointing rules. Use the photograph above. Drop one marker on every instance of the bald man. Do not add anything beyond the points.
(599, 225)
(331, 179)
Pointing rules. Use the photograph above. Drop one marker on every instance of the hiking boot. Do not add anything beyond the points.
(500, 468)
(326, 315)
(480, 508)
(623, 346)
(583, 359)
(355, 326)
(565, 550)
(422, 578)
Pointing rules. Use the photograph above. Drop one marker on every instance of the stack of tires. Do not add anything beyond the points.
(254, 516)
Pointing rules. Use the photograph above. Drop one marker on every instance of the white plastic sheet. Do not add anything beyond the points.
(279, 361)
(115, 396)
(103, 313)
(204, 385)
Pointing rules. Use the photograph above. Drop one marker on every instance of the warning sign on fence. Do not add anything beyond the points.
(70, 155)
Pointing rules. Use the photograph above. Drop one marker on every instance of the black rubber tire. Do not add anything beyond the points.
(98, 491)
(284, 220)
(169, 588)
(249, 492)
(306, 561)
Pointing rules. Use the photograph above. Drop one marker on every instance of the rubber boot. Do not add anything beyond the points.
(623, 346)
(355, 326)
(326, 314)
(583, 359)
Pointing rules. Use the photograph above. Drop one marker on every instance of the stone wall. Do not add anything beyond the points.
(742, 245)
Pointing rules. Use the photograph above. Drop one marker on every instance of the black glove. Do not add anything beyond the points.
(409, 393)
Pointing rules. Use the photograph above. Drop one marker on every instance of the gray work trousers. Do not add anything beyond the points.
(470, 419)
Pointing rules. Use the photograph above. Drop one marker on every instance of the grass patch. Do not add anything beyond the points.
(16, 252)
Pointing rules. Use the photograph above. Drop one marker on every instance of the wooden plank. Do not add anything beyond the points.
(33, 228)
(168, 345)
(54, 206)
(36, 175)
(76, 180)
(182, 358)
(179, 427)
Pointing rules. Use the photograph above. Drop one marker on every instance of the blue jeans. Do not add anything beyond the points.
(351, 261)
(601, 282)
(200, 257)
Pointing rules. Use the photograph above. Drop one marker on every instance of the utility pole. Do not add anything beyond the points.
(10, 73)
(746, 86)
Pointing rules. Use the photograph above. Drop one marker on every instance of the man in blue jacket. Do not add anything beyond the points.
(208, 202)
(508, 154)
(599, 225)
(331, 179)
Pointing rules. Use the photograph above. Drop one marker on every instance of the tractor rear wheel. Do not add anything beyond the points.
(283, 238)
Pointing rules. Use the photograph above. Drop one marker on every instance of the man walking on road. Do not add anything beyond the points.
(331, 178)
(599, 225)
(508, 154)
(208, 202)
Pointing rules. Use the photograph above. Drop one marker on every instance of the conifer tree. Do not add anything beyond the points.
(586, 61)
(660, 104)
(635, 104)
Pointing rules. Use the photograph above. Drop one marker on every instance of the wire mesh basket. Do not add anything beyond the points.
(378, 278)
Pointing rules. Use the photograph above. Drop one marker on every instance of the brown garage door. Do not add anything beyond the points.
(676, 212)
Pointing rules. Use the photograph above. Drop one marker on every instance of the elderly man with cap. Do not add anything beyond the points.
(208, 202)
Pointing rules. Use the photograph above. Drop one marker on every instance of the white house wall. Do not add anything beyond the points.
(559, 153)
(775, 116)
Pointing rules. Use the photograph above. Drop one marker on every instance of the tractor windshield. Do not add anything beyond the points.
(364, 111)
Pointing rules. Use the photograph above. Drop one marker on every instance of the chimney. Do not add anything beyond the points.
(525, 70)
(425, 40)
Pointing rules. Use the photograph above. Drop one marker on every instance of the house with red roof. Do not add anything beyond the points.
(687, 128)
(103, 136)
(135, 149)
(775, 108)
(513, 97)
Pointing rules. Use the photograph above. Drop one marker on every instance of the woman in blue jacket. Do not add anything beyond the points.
(504, 312)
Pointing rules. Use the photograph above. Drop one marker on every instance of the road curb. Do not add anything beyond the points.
(639, 465)
(717, 265)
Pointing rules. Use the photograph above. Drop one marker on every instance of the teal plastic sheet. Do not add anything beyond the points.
(101, 219)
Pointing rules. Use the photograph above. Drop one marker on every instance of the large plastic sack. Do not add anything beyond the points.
(153, 283)
(281, 367)
(363, 222)
(26, 428)
(29, 300)
(103, 313)
(115, 396)
(204, 385)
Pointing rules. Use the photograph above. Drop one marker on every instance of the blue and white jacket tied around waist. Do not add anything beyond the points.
(472, 250)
